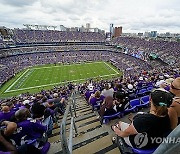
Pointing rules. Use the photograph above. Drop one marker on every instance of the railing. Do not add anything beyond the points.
(67, 145)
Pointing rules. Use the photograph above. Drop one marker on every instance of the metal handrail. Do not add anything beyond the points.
(67, 146)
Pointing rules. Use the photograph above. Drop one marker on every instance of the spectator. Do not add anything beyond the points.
(155, 124)
(107, 107)
(96, 99)
(121, 101)
(107, 91)
(39, 113)
(174, 110)
(27, 130)
(6, 113)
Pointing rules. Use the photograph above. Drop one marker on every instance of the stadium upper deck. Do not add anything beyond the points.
(19, 37)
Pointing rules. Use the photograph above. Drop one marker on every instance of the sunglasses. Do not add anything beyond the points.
(174, 87)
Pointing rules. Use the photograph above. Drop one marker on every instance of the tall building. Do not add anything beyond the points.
(88, 26)
(153, 33)
(111, 30)
(117, 31)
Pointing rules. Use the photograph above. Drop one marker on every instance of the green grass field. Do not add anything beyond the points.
(44, 77)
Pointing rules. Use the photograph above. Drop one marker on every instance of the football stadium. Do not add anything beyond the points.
(87, 90)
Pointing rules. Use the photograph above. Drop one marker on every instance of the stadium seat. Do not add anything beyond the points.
(142, 92)
(106, 119)
(124, 148)
(132, 96)
(140, 151)
(95, 107)
(149, 89)
(145, 101)
(135, 103)
(132, 109)
(45, 148)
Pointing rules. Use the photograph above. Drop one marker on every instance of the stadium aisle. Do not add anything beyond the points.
(92, 136)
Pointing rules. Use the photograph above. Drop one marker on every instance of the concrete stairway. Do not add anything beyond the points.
(92, 136)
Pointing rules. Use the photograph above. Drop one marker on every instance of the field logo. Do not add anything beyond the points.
(141, 140)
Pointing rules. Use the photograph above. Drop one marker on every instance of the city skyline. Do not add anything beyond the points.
(134, 16)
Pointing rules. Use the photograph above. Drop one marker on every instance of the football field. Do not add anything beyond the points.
(50, 75)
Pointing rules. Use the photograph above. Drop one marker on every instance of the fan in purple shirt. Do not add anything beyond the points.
(27, 130)
(96, 99)
(6, 114)
(89, 92)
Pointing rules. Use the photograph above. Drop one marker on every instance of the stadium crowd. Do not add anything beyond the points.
(13, 64)
(166, 50)
(28, 120)
(161, 88)
(38, 112)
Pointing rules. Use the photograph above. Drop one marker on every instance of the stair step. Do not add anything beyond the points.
(82, 126)
(80, 114)
(77, 112)
(83, 130)
(80, 140)
(112, 149)
(92, 136)
(95, 145)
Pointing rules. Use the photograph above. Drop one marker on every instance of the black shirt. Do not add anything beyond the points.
(152, 127)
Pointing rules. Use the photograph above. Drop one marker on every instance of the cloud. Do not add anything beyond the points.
(133, 16)
(18, 3)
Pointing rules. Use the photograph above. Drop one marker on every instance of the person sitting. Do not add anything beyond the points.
(131, 91)
(107, 107)
(107, 91)
(121, 101)
(148, 126)
(174, 110)
(8, 127)
(96, 99)
(56, 104)
(8, 148)
(39, 113)
(6, 113)
(89, 91)
(27, 130)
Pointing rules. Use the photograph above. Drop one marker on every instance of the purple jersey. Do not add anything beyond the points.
(7, 116)
(27, 130)
(97, 101)
(88, 94)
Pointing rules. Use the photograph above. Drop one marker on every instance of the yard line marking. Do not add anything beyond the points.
(7, 90)
(66, 65)
(111, 67)
(57, 83)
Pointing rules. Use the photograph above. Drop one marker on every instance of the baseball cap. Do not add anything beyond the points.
(141, 78)
(130, 86)
(161, 97)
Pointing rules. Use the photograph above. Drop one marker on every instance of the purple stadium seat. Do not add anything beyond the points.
(149, 89)
(140, 151)
(145, 101)
(106, 119)
(142, 92)
(45, 148)
(135, 103)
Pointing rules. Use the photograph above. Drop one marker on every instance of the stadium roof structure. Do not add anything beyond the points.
(39, 27)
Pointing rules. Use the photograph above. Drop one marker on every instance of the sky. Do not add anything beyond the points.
(133, 15)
